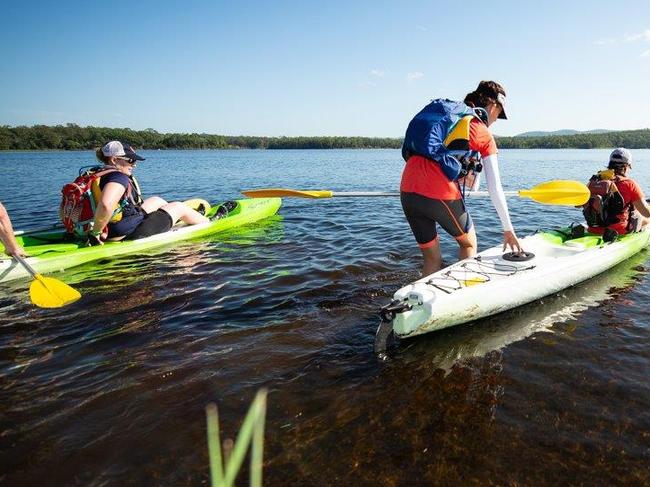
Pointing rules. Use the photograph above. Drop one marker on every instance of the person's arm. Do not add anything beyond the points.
(495, 190)
(7, 235)
(637, 198)
(482, 141)
(642, 207)
(111, 194)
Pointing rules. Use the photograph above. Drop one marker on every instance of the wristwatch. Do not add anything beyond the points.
(96, 233)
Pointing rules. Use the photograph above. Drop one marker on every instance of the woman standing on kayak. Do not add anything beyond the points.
(431, 197)
(138, 220)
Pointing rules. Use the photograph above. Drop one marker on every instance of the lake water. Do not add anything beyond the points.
(111, 391)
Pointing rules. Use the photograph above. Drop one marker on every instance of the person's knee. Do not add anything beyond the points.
(180, 211)
(176, 209)
(176, 205)
(153, 203)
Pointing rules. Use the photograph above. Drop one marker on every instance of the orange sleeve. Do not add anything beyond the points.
(634, 192)
(481, 139)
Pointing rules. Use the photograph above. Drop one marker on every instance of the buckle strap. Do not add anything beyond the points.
(387, 313)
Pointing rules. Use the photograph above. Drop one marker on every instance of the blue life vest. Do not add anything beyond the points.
(440, 132)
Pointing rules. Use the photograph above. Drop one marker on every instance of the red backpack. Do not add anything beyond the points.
(78, 204)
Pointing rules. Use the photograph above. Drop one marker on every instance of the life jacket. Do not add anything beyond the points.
(606, 204)
(80, 198)
(440, 132)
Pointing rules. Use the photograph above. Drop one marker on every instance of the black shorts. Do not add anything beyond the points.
(424, 213)
(158, 221)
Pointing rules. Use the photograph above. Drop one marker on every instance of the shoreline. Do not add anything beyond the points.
(72, 137)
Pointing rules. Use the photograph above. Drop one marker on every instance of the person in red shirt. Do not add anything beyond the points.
(429, 198)
(636, 212)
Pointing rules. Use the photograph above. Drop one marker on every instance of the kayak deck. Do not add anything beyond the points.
(52, 251)
(487, 283)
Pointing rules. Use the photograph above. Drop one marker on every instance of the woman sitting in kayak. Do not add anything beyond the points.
(430, 197)
(617, 205)
(138, 220)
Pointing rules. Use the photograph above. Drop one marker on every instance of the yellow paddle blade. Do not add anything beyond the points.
(47, 292)
(559, 192)
(281, 192)
(199, 205)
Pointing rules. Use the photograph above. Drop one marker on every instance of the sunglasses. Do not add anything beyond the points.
(130, 161)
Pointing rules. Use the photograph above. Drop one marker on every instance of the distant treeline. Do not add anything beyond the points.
(74, 137)
(632, 139)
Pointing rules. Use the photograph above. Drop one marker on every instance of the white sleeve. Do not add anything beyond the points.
(491, 168)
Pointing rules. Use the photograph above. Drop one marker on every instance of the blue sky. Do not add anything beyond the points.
(327, 68)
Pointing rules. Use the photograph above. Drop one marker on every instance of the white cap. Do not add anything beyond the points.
(113, 149)
(620, 156)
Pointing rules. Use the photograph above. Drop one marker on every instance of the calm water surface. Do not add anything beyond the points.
(111, 391)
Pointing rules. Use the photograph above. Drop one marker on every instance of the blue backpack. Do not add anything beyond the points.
(440, 132)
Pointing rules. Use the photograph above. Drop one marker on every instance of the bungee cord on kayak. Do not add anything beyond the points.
(483, 270)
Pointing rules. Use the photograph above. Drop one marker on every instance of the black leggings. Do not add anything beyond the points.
(424, 213)
(158, 221)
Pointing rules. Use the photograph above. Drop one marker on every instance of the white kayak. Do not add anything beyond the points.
(492, 282)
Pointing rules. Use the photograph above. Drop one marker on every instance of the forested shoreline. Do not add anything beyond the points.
(74, 137)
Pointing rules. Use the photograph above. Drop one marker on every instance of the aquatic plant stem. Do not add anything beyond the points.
(214, 445)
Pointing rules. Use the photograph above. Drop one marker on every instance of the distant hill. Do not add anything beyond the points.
(562, 132)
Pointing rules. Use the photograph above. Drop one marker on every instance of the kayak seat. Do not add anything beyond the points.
(585, 242)
(574, 245)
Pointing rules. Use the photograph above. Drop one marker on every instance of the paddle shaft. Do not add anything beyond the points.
(364, 194)
(467, 193)
(53, 226)
(26, 266)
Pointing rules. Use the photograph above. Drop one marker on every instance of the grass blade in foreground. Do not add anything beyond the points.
(47, 292)
(251, 433)
(214, 448)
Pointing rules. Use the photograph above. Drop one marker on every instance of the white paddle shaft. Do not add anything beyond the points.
(364, 194)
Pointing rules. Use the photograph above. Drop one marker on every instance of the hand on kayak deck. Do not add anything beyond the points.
(510, 240)
(93, 240)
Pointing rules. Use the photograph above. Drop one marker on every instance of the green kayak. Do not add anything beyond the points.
(51, 251)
